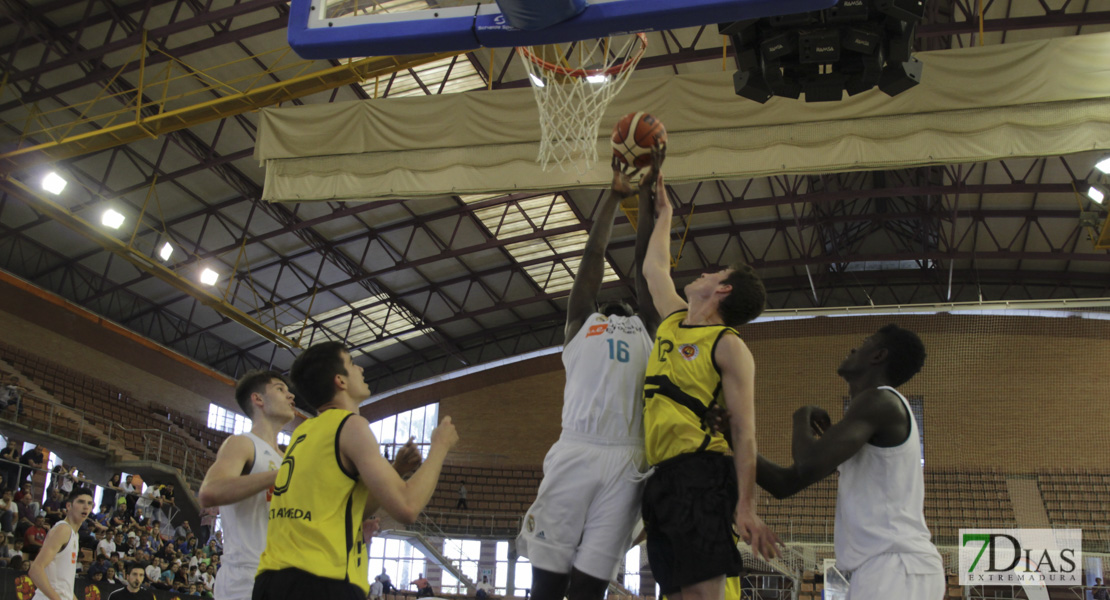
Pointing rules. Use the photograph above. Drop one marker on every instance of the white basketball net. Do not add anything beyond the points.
(573, 83)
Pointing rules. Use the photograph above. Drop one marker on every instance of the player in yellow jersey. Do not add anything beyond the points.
(698, 493)
(331, 479)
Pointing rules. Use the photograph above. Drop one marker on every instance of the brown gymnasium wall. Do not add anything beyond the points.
(56, 330)
(1013, 393)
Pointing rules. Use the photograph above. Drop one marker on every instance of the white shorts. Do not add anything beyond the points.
(899, 576)
(234, 583)
(586, 507)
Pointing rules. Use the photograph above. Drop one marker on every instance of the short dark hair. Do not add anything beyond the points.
(747, 298)
(135, 565)
(314, 372)
(254, 382)
(906, 353)
(79, 491)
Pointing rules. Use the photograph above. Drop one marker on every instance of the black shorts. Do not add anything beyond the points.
(295, 584)
(688, 511)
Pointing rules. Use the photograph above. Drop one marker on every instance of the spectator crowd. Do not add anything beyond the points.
(131, 527)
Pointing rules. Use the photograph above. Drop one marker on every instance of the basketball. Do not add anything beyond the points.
(634, 137)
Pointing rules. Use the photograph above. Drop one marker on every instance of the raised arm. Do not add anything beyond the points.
(405, 462)
(587, 281)
(737, 369)
(657, 259)
(645, 220)
(818, 448)
(54, 543)
(225, 483)
(400, 498)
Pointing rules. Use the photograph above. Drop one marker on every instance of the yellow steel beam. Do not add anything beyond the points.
(218, 108)
(1103, 242)
(100, 236)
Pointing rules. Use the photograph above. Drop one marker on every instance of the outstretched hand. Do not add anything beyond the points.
(817, 418)
(765, 544)
(622, 171)
(658, 155)
(407, 459)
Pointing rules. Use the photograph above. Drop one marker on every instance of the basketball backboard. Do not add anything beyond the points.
(320, 29)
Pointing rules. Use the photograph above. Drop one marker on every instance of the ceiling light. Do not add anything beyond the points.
(209, 277)
(53, 183)
(1096, 193)
(112, 219)
(597, 78)
(1103, 165)
(536, 81)
(167, 251)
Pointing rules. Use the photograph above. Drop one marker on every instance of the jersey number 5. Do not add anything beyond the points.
(285, 474)
(618, 351)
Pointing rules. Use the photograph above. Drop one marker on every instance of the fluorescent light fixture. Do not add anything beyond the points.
(1095, 193)
(597, 78)
(53, 183)
(536, 81)
(1103, 165)
(209, 277)
(112, 219)
(166, 252)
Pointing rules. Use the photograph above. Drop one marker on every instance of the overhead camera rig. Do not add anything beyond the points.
(851, 47)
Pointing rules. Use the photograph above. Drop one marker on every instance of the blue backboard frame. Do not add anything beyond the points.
(467, 28)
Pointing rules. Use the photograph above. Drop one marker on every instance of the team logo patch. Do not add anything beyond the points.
(688, 351)
(597, 329)
(531, 524)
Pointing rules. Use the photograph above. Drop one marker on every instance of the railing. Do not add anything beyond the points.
(83, 428)
(436, 523)
(1096, 538)
(53, 418)
(173, 450)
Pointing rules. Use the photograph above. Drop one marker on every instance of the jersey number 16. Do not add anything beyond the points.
(618, 350)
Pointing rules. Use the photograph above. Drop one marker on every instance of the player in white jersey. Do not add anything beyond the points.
(242, 479)
(55, 567)
(580, 526)
(882, 542)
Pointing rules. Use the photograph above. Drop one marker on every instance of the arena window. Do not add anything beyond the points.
(632, 570)
(401, 561)
(523, 580)
(392, 432)
(465, 554)
(221, 419)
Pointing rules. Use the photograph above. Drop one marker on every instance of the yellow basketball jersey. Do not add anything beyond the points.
(316, 512)
(682, 382)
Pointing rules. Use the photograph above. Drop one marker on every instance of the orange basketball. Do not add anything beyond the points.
(634, 137)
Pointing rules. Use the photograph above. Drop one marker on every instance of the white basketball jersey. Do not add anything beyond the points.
(605, 364)
(244, 523)
(880, 504)
(62, 571)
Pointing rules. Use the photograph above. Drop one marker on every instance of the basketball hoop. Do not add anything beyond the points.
(572, 89)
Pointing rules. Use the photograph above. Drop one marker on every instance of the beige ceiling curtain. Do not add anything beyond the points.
(1040, 98)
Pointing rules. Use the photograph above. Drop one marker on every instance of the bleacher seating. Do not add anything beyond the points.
(1077, 499)
(113, 403)
(490, 490)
